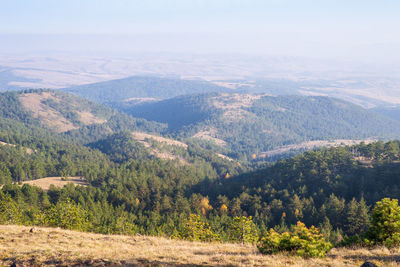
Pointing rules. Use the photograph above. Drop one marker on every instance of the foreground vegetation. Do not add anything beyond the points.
(50, 246)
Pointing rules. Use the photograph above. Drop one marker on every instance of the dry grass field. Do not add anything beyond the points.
(45, 183)
(57, 247)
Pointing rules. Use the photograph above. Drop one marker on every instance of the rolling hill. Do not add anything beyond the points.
(70, 116)
(141, 88)
(389, 111)
(248, 124)
(51, 133)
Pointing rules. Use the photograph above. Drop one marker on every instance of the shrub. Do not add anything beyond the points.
(197, 230)
(242, 229)
(10, 212)
(66, 214)
(301, 241)
(385, 223)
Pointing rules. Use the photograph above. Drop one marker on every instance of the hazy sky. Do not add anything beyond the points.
(287, 27)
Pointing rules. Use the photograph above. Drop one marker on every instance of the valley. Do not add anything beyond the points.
(199, 133)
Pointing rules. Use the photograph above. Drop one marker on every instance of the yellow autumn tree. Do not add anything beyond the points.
(205, 205)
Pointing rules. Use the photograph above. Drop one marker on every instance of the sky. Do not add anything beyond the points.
(317, 28)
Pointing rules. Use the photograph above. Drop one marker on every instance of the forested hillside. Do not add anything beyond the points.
(75, 118)
(391, 111)
(141, 87)
(333, 188)
(249, 124)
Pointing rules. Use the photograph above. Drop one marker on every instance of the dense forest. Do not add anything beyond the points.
(252, 124)
(332, 188)
(392, 112)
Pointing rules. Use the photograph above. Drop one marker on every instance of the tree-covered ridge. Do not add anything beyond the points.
(318, 186)
(78, 120)
(114, 92)
(251, 124)
(391, 111)
(122, 147)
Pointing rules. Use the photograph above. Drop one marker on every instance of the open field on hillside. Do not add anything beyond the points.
(142, 137)
(53, 118)
(56, 247)
(313, 144)
(45, 183)
(28, 150)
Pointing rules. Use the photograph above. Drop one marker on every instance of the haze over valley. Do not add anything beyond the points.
(199, 133)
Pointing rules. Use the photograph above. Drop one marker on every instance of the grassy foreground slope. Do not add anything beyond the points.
(56, 247)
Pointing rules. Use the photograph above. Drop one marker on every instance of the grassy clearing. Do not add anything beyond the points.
(52, 246)
(45, 183)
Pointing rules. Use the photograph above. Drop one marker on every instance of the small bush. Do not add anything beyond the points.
(242, 229)
(301, 241)
(197, 230)
(66, 214)
(385, 223)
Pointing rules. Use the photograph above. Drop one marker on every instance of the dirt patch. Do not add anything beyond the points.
(45, 183)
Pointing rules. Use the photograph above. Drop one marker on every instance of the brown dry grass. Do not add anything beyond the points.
(146, 140)
(313, 144)
(53, 246)
(89, 118)
(45, 183)
(142, 137)
(47, 115)
(210, 134)
(28, 150)
(52, 118)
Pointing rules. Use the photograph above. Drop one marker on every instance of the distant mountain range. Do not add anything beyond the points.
(237, 125)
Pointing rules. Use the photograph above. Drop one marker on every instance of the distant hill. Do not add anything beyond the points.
(391, 111)
(253, 123)
(139, 87)
(73, 117)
